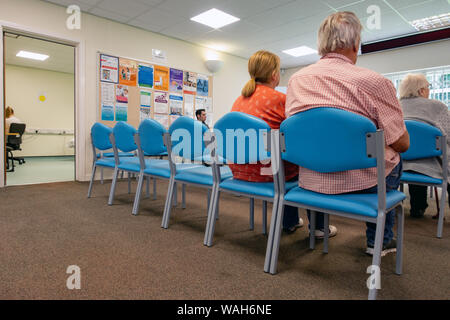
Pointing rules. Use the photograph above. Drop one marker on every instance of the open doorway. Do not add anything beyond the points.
(39, 110)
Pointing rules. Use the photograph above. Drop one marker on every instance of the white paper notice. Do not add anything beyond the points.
(109, 68)
(163, 119)
(144, 113)
(176, 104)
(189, 105)
(161, 102)
(107, 92)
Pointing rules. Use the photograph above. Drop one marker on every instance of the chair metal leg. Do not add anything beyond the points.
(208, 200)
(101, 175)
(129, 182)
(175, 195)
(137, 197)
(277, 235)
(400, 231)
(217, 208)
(212, 215)
(113, 187)
(442, 210)
(147, 187)
(264, 217)
(183, 196)
(252, 213)
(312, 230)
(376, 259)
(168, 205)
(92, 180)
(154, 189)
(326, 230)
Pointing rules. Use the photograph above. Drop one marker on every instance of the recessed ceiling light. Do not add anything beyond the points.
(300, 51)
(433, 22)
(215, 18)
(31, 55)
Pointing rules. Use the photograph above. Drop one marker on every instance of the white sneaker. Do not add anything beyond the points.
(320, 234)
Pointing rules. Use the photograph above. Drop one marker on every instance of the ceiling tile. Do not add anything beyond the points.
(185, 29)
(129, 8)
(295, 10)
(191, 8)
(109, 15)
(160, 18)
(425, 10)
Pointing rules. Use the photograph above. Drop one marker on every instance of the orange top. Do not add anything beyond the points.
(268, 105)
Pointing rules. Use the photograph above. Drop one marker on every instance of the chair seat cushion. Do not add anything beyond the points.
(264, 189)
(162, 169)
(360, 204)
(106, 162)
(202, 175)
(417, 177)
(111, 154)
(133, 164)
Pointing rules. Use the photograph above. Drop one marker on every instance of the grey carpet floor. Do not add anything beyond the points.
(46, 228)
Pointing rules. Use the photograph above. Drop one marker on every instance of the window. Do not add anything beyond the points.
(438, 77)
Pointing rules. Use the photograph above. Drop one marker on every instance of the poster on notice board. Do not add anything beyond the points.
(202, 85)
(161, 81)
(176, 80)
(127, 72)
(145, 76)
(189, 82)
(109, 68)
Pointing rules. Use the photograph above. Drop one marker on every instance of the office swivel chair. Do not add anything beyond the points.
(13, 144)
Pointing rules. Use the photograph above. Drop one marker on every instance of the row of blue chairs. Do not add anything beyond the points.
(323, 139)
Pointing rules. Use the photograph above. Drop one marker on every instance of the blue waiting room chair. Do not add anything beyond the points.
(100, 141)
(427, 141)
(185, 140)
(150, 142)
(122, 140)
(329, 140)
(240, 138)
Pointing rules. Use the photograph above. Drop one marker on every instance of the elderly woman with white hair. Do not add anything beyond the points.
(414, 94)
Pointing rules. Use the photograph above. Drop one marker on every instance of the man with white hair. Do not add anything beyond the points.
(335, 81)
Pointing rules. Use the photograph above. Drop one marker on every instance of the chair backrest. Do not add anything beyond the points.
(124, 137)
(187, 137)
(240, 138)
(423, 141)
(151, 134)
(18, 128)
(327, 140)
(100, 136)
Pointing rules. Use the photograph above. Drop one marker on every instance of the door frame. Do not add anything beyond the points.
(79, 94)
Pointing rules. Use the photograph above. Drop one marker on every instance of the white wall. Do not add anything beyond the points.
(103, 35)
(433, 54)
(23, 87)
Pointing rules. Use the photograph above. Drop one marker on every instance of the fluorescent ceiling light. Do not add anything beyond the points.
(215, 18)
(433, 22)
(32, 55)
(300, 51)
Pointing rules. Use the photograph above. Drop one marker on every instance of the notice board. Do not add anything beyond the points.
(131, 90)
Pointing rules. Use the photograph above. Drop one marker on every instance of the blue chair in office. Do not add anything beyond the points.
(150, 142)
(427, 141)
(100, 141)
(240, 138)
(186, 140)
(330, 140)
(122, 140)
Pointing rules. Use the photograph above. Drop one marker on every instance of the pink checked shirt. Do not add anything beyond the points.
(334, 81)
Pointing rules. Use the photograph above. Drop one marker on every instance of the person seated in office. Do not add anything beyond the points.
(10, 118)
(260, 99)
(335, 81)
(414, 93)
(201, 116)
